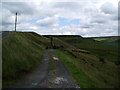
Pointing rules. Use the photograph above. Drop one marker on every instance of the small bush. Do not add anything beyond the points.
(101, 60)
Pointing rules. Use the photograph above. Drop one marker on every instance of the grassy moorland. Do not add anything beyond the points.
(96, 67)
(89, 71)
(92, 63)
(102, 49)
(21, 53)
(83, 80)
(113, 40)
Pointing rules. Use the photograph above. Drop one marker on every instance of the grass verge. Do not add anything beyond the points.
(52, 62)
(95, 72)
(80, 77)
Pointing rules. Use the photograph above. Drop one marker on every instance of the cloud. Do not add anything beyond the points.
(48, 21)
(86, 18)
(20, 7)
(108, 8)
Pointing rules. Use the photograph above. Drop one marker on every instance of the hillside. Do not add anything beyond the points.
(109, 38)
(91, 63)
(100, 48)
(113, 40)
(21, 53)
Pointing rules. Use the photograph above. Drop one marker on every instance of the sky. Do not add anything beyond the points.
(88, 18)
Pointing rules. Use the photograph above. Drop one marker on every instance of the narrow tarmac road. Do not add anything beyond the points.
(44, 77)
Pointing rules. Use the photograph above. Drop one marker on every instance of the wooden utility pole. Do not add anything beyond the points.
(15, 20)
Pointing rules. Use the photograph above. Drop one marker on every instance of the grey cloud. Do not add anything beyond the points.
(119, 11)
(25, 12)
(108, 8)
(94, 21)
(86, 26)
(20, 7)
(115, 17)
(6, 23)
(99, 20)
(68, 5)
(48, 22)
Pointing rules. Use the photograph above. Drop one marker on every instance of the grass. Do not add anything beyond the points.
(80, 77)
(52, 62)
(101, 49)
(89, 72)
(22, 53)
(99, 65)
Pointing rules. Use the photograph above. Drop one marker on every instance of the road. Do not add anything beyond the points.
(44, 77)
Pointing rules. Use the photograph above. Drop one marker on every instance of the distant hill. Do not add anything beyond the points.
(109, 38)
(100, 48)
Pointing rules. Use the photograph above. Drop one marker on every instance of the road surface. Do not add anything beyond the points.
(44, 77)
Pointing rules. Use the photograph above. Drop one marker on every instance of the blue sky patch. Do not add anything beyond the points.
(34, 20)
(75, 21)
(62, 19)
(66, 22)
